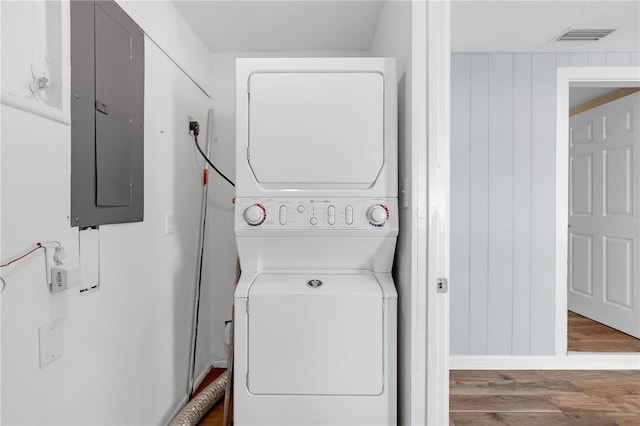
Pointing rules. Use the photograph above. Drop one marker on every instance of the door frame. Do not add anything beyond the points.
(431, 53)
(573, 77)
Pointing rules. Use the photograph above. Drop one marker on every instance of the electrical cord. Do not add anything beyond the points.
(195, 127)
(57, 257)
(37, 247)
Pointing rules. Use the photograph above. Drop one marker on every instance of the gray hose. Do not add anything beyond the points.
(199, 406)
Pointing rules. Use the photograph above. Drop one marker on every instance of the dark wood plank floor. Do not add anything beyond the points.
(587, 335)
(532, 397)
(537, 397)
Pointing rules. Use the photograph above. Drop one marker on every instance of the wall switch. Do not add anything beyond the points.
(169, 223)
(50, 339)
(64, 277)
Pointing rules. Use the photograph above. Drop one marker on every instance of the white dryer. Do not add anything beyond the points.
(316, 226)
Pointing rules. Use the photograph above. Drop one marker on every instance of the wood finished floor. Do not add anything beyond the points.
(549, 397)
(527, 398)
(587, 335)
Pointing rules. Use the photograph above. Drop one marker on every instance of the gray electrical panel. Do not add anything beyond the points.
(107, 115)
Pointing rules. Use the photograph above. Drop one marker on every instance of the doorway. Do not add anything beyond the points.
(594, 78)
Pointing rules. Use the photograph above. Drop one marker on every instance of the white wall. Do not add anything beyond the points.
(163, 23)
(125, 346)
(393, 39)
(503, 199)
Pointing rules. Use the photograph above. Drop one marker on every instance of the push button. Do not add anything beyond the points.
(300, 208)
(313, 221)
(331, 215)
(348, 215)
(283, 215)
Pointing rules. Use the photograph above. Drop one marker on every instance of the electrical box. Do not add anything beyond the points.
(107, 115)
(64, 277)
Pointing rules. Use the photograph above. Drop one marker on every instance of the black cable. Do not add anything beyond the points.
(195, 127)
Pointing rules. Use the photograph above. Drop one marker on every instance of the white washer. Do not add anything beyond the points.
(316, 226)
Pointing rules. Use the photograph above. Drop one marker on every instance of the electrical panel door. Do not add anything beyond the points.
(107, 115)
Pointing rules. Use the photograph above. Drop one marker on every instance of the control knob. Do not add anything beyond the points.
(254, 215)
(378, 214)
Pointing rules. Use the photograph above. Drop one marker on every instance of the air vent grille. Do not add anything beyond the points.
(585, 34)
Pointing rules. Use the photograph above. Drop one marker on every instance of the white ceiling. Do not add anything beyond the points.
(528, 26)
(477, 26)
(228, 26)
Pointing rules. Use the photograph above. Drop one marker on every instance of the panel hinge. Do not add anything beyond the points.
(442, 286)
(248, 86)
(248, 155)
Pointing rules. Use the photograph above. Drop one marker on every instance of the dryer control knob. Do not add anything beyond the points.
(378, 214)
(255, 214)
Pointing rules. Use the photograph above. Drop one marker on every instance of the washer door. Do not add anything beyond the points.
(317, 334)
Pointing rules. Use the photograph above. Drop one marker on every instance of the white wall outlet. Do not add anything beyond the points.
(50, 342)
(170, 223)
(190, 118)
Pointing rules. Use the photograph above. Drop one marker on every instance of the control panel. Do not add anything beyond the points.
(303, 214)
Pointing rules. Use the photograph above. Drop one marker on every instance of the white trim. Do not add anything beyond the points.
(438, 191)
(183, 401)
(574, 77)
(219, 363)
(173, 413)
(35, 107)
(572, 361)
(419, 323)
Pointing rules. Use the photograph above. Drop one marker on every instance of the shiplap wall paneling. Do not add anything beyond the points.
(543, 136)
(460, 150)
(500, 247)
(618, 59)
(503, 198)
(479, 204)
(597, 59)
(563, 60)
(579, 59)
(521, 334)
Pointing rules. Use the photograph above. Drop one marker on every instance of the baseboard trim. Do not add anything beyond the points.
(219, 363)
(572, 361)
(183, 401)
(175, 411)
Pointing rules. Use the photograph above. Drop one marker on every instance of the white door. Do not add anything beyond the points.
(604, 214)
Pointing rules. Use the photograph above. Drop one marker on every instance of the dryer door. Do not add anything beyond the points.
(316, 129)
(310, 339)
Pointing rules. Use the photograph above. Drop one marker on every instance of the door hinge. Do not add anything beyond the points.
(443, 285)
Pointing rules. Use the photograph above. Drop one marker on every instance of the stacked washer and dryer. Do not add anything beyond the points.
(316, 221)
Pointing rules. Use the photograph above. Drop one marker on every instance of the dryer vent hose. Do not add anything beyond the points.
(199, 406)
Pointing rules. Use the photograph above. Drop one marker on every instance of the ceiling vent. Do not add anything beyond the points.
(589, 34)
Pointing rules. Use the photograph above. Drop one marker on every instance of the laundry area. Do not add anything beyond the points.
(255, 186)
